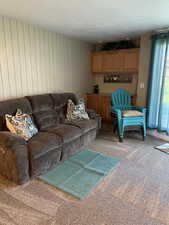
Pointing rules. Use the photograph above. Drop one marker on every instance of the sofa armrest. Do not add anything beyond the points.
(92, 113)
(99, 121)
(14, 161)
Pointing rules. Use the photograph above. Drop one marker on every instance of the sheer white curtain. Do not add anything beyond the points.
(158, 116)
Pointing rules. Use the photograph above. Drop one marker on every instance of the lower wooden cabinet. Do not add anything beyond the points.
(105, 108)
(102, 105)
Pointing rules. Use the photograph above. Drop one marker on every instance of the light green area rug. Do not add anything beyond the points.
(80, 173)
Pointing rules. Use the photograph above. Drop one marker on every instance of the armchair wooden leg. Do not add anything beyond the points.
(115, 126)
(143, 133)
(120, 139)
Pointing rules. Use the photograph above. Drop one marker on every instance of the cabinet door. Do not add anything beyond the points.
(105, 108)
(113, 61)
(93, 102)
(107, 104)
(97, 62)
(131, 60)
(101, 107)
(134, 100)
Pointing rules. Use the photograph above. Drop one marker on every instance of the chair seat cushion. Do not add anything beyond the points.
(66, 132)
(84, 125)
(43, 143)
(129, 113)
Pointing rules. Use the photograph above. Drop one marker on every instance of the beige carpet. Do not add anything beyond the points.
(135, 193)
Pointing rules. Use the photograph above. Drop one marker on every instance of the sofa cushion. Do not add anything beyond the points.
(43, 143)
(46, 119)
(40, 102)
(84, 125)
(59, 106)
(61, 99)
(66, 132)
(60, 103)
(43, 111)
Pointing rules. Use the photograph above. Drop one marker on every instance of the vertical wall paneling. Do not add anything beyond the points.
(34, 61)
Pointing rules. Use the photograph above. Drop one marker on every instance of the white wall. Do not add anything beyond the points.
(110, 87)
(144, 67)
(34, 61)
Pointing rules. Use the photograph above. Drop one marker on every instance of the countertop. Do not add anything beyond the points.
(107, 94)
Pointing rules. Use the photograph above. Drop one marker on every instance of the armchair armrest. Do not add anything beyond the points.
(92, 113)
(139, 108)
(14, 162)
(118, 112)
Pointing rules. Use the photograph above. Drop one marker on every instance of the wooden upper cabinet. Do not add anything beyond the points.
(131, 60)
(125, 60)
(97, 62)
(112, 61)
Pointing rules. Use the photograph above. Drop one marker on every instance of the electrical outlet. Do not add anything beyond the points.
(141, 85)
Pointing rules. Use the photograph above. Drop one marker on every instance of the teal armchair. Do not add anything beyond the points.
(126, 114)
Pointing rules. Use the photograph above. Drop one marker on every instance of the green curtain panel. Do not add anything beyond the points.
(158, 97)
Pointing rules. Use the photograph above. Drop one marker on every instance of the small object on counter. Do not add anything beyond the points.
(96, 89)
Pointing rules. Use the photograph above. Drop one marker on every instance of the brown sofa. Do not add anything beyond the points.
(56, 140)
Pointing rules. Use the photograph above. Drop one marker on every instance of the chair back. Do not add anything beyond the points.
(121, 99)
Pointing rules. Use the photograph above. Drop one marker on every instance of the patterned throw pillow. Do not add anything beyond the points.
(76, 112)
(21, 124)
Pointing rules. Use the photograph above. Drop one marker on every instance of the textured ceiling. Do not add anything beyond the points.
(92, 20)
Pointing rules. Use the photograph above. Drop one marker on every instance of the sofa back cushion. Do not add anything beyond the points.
(10, 107)
(43, 111)
(47, 110)
(60, 103)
